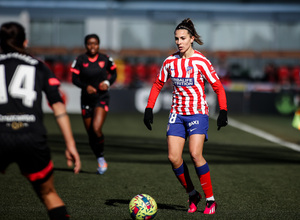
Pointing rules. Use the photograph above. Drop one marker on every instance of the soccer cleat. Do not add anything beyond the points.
(193, 202)
(210, 207)
(102, 167)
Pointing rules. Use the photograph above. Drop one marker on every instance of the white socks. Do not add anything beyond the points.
(212, 198)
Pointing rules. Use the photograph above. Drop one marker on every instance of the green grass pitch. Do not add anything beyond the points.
(252, 178)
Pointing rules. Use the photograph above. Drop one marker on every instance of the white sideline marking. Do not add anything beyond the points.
(263, 134)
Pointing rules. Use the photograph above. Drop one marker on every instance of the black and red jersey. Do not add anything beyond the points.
(22, 81)
(92, 71)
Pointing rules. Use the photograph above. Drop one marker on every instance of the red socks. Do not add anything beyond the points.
(182, 173)
(204, 176)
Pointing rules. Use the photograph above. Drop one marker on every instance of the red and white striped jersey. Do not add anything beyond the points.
(188, 76)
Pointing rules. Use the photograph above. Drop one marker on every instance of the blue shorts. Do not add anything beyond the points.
(187, 125)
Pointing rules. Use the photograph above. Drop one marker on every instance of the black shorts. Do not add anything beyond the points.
(30, 152)
(88, 105)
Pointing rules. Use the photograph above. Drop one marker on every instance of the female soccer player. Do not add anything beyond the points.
(188, 68)
(94, 72)
(22, 133)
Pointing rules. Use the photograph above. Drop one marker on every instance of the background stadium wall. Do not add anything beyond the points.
(135, 100)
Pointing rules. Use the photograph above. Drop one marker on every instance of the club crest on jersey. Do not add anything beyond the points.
(101, 64)
(85, 65)
(189, 69)
(183, 81)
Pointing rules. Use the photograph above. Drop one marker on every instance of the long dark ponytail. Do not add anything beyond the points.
(188, 25)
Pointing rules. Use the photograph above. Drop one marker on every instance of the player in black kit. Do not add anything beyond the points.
(22, 133)
(94, 72)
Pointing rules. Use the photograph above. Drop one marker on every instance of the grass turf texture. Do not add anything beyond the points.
(252, 178)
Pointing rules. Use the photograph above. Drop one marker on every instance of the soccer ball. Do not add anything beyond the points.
(142, 206)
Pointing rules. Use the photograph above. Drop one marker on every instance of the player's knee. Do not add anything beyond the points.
(196, 156)
(175, 160)
(97, 130)
(46, 191)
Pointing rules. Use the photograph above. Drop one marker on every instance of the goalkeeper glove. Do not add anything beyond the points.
(222, 119)
(148, 118)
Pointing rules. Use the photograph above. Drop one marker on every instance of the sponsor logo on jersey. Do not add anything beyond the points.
(17, 121)
(183, 81)
(85, 65)
(11, 118)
